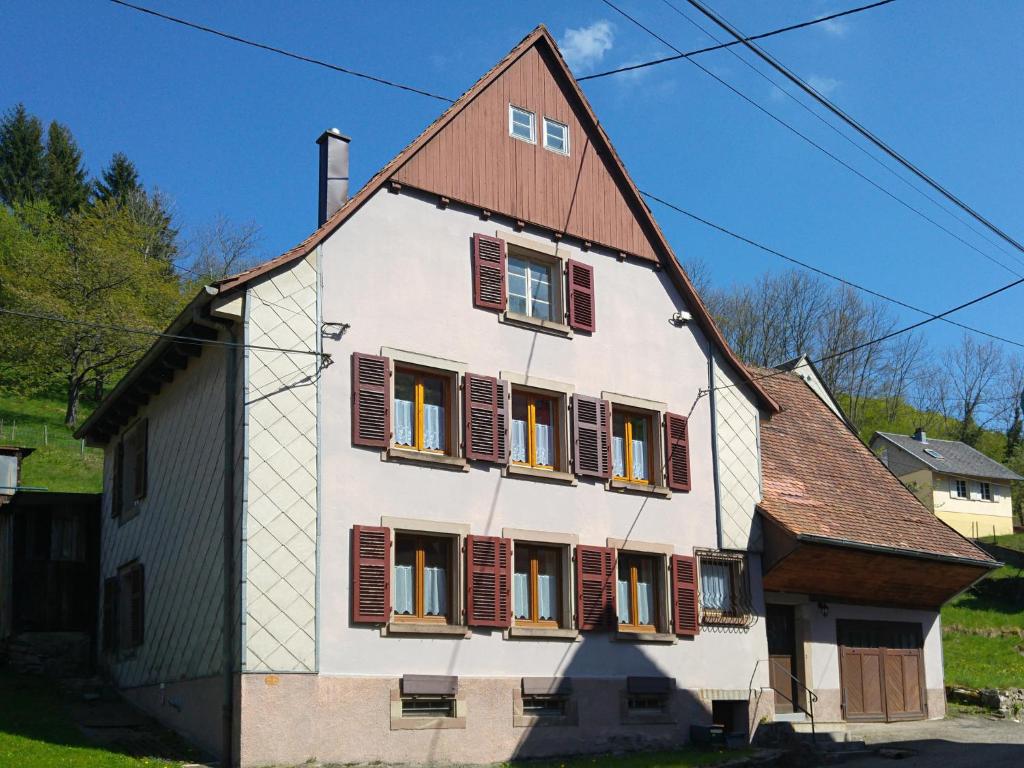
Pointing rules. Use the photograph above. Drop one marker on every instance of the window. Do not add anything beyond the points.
(544, 705)
(428, 706)
(933, 453)
(986, 491)
(960, 489)
(724, 596)
(521, 124)
(422, 584)
(529, 288)
(631, 446)
(647, 703)
(535, 430)
(648, 700)
(556, 136)
(124, 608)
(637, 595)
(537, 585)
(421, 410)
(129, 480)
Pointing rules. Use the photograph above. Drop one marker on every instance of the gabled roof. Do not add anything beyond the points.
(541, 39)
(822, 484)
(954, 457)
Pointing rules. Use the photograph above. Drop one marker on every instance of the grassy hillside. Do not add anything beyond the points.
(59, 463)
(983, 629)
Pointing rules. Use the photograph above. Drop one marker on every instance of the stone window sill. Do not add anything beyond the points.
(665, 638)
(425, 628)
(549, 475)
(426, 723)
(623, 486)
(536, 324)
(541, 633)
(440, 460)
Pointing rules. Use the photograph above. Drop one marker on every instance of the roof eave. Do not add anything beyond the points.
(811, 538)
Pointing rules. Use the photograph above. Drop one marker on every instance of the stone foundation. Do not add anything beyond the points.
(290, 719)
(190, 707)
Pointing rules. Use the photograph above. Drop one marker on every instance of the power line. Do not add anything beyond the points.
(828, 124)
(846, 118)
(811, 141)
(281, 51)
(146, 332)
(721, 45)
(819, 271)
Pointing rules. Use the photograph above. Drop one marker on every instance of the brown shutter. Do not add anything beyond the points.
(140, 446)
(581, 296)
(116, 494)
(591, 435)
(136, 577)
(371, 574)
(488, 583)
(503, 408)
(110, 598)
(677, 453)
(488, 272)
(481, 412)
(371, 400)
(684, 595)
(595, 587)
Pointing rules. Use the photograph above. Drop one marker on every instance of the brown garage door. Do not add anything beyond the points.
(881, 670)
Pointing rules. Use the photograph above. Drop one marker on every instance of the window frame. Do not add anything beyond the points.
(629, 416)
(955, 491)
(534, 622)
(512, 109)
(633, 559)
(419, 374)
(555, 403)
(126, 628)
(560, 393)
(551, 121)
(566, 544)
(418, 616)
(655, 411)
(741, 610)
(985, 491)
(555, 279)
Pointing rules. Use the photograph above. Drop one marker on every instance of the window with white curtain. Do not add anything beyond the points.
(637, 592)
(422, 579)
(421, 410)
(631, 446)
(534, 430)
(716, 582)
(537, 585)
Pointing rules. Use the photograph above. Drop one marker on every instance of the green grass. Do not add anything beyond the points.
(58, 463)
(973, 661)
(37, 732)
(682, 758)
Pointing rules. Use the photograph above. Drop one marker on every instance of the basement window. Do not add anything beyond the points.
(428, 706)
(537, 705)
(522, 124)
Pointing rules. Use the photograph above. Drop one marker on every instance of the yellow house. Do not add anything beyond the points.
(962, 486)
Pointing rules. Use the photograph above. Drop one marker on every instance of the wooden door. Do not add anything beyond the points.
(904, 699)
(861, 670)
(779, 626)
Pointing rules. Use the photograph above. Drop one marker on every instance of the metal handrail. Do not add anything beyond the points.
(811, 697)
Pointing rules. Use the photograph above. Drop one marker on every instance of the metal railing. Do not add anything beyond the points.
(811, 698)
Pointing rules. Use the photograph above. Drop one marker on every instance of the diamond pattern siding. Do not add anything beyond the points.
(177, 533)
(279, 549)
(739, 470)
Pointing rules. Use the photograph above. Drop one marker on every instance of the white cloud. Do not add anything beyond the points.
(823, 85)
(835, 27)
(586, 46)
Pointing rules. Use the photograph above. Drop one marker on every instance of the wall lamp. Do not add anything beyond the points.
(679, 319)
(823, 607)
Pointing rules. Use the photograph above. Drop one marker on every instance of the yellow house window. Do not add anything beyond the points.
(534, 430)
(631, 447)
(421, 411)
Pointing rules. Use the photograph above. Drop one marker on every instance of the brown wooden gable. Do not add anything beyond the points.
(473, 159)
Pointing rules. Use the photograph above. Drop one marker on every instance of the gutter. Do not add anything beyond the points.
(810, 538)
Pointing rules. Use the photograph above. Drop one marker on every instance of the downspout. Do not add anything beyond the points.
(714, 444)
(227, 757)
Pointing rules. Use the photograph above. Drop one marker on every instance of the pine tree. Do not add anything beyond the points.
(119, 180)
(22, 160)
(66, 185)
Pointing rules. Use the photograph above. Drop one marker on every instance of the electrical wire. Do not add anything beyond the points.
(820, 271)
(812, 142)
(158, 334)
(281, 51)
(721, 45)
(850, 121)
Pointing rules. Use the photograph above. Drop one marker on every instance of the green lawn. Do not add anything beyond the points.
(59, 462)
(983, 629)
(37, 732)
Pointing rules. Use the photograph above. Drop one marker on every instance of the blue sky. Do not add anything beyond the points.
(225, 129)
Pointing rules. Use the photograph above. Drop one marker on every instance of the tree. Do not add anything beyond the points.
(973, 368)
(222, 248)
(22, 158)
(66, 186)
(154, 216)
(90, 267)
(118, 180)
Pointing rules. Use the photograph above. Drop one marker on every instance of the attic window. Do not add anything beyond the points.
(556, 136)
(522, 124)
(933, 452)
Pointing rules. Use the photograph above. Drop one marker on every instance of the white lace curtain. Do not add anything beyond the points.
(644, 601)
(435, 591)
(639, 458)
(433, 425)
(716, 586)
(545, 440)
(547, 598)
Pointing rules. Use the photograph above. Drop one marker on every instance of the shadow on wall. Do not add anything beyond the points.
(605, 696)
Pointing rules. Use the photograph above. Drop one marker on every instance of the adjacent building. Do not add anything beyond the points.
(960, 484)
(471, 474)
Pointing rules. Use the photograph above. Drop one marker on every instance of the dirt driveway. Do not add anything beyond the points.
(959, 742)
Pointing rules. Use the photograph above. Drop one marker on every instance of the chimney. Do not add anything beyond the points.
(921, 436)
(333, 173)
